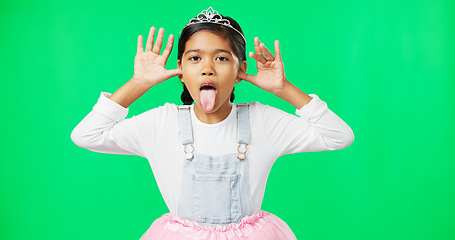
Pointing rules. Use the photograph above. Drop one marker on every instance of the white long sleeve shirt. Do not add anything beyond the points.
(154, 135)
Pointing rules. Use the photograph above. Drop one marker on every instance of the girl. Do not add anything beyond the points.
(211, 158)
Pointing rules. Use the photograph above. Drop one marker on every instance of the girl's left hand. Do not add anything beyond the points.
(270, 76)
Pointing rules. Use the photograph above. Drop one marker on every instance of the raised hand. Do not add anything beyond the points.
(270, 76)
(149, 65)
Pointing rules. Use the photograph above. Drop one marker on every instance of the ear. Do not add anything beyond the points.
(242, 69)
(179, 66)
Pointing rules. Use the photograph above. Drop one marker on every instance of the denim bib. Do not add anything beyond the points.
(215, 189)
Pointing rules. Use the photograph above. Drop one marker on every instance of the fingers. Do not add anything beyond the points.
(168, 49)
(245, 76)
(268, 55)
(259, 54)
(150, 38)
(140, 46)
(159, 41)
(256, 46)
(277, 50)
(173, 72)
(262, 54)
(158, 44)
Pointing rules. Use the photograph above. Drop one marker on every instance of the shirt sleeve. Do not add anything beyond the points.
(106, 130)
(315, 128)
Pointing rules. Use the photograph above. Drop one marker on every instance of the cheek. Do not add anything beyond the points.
(229, 71)
(188, 74)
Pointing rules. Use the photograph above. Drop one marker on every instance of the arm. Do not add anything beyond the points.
(130, 92)
(293, 95)
(106, 130)
(315, 128)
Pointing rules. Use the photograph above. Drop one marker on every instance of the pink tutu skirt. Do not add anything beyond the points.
(261, 226)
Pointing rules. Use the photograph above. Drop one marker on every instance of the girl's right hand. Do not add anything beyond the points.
(149, 65)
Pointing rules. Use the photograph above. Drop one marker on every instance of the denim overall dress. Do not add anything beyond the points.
(215, 189)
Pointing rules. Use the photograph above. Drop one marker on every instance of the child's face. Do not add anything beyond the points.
(209, 59)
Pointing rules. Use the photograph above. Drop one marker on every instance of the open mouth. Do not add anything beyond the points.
(207, 94)
(207, 86)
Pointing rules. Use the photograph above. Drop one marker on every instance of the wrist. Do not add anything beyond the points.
(141, 83)
(283, 90)
(293, 95)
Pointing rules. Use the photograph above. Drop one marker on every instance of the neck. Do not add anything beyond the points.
(213, 117)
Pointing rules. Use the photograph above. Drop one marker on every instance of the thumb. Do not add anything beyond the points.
(245, 76)
(173, 72)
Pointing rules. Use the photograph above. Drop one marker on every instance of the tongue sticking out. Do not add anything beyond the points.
(207, 95)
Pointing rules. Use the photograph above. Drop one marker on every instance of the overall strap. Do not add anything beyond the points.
(243, 130)
(186, 131)
(243, 125)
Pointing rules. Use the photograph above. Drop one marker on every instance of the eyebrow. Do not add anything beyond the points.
(199, 50)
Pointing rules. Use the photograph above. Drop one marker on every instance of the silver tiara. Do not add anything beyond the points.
(212, 16)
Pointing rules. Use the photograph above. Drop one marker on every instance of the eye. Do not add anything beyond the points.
(194, 58)
(222, 59)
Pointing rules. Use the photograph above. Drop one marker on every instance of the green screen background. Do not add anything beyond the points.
(385, 67)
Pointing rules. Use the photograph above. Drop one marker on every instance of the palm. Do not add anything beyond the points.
(149, 66)
(269, 75)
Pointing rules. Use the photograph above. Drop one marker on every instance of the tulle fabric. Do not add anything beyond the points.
(261, 226)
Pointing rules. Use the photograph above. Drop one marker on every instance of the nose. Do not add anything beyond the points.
(207, 69)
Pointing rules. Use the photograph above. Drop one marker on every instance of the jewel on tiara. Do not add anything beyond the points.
(212, 16)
